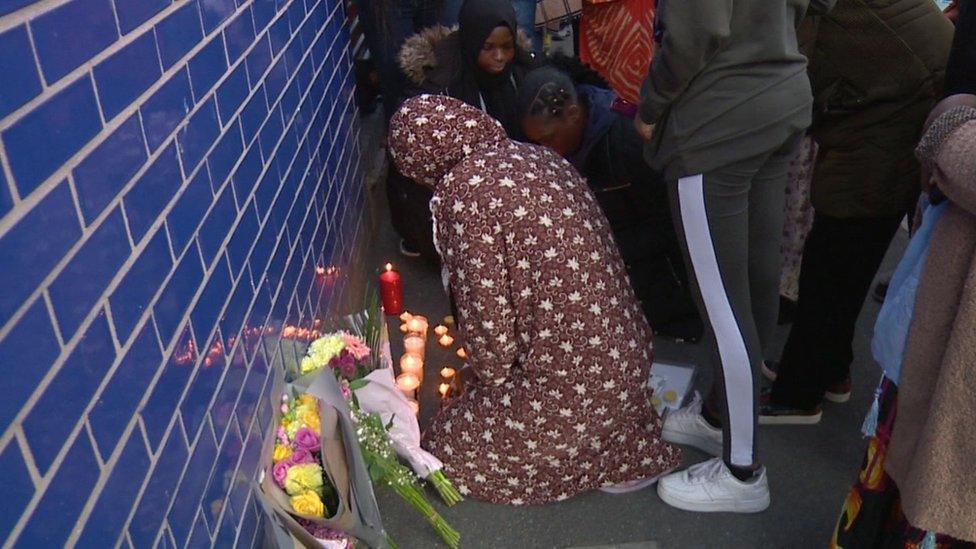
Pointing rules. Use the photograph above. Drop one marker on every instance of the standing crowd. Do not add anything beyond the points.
(575, 204)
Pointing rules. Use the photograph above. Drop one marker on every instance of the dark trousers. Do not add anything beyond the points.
(410, 213)
(840, 260)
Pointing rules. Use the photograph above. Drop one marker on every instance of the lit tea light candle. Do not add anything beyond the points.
(415, 406)
(440, 329)
(408, 383)
(447, 373)
(443, 389)
(461, 353)
(412, 364)
(403, 328)
(417, 325)
(406, 316)
(414, 344)
(449, 320)
(446, 340)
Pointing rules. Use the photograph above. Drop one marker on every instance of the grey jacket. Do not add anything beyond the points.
(728, 81)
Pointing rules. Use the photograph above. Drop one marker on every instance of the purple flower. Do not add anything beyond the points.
(348, 370)
(301, 455)
(306, 439)
(280, 472)
(282, 435)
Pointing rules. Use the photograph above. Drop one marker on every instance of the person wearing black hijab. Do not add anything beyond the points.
(961, 69)
(481, 62)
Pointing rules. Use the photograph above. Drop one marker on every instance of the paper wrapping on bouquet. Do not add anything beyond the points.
(357, 513)
(895, 317)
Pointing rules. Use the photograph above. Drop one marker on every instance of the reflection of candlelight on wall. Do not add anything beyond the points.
(320, 270)
(446, 340)
(412, 364)
(185, 355)
(414, 344)
(461, 353)
(407, 383)
(447, 373)
(440, 329)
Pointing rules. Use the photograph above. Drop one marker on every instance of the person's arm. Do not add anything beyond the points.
(693, 32)
(954, 170)
(474, 257)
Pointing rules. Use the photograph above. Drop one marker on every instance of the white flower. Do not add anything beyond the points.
(470, 123)
(523, 264)
(421, 120)
(573, 264)
(546, 303)
(545, 221)
(575, 297)
(458, 206)
(596, 309)
(520, 212)
(487, 283)
(550, 253)
(580, 389)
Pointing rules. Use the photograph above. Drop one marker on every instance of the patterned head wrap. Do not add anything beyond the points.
(431, 134)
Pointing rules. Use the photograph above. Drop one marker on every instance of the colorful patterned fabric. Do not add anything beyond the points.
(872, 514)
(617, 41)
(799, 217)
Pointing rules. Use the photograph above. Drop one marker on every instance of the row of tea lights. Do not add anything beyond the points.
(411, 375)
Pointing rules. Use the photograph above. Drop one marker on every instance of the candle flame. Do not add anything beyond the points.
(388, 267)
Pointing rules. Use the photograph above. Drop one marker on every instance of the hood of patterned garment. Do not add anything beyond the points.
(431, 134)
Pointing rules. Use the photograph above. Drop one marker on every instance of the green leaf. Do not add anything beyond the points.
(357, 384)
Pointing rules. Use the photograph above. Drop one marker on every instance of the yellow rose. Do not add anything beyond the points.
(281, 452)
(308, 503)
(311, 420)
(303, 477)
(308, 400)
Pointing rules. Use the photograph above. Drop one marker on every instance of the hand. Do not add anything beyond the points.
(645, 130)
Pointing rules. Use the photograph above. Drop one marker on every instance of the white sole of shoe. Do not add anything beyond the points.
(757, 505)
(839, 398)
(704, 444)
(628, 487)
(767, 373)
(791, 420)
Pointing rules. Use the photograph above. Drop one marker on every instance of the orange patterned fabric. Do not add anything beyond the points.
(617, 41)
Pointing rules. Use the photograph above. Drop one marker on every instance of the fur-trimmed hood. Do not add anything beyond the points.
(431, 58)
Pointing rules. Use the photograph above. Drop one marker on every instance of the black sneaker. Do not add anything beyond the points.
(777, 414)
(770, 370)
(406, 251)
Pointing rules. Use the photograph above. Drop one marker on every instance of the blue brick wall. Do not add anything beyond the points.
(174, 178)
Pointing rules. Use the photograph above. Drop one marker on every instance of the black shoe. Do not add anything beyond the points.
(880, 291)
(778, 414)
(406, 250)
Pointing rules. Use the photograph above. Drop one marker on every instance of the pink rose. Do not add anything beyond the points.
(301, 455)
(280, 472)
(306, 439)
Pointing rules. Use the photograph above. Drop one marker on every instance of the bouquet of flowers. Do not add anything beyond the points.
(363, 381)
(297, 460)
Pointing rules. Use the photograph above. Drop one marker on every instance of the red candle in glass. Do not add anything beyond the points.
(391, 291)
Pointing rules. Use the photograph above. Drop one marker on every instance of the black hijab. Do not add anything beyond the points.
(495, 93)
(961, 68)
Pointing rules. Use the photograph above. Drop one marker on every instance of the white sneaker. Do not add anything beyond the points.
(687, 426)
(710, 487)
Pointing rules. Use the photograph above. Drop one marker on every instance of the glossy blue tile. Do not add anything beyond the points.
(169, 106)
(159, 409)
(232, 93)
(253, 115)
(241, 242)
(104, 172)
(41, 141)
(224, 155)
(65, 497)
(131, 298)
(150, 194)
(215, 12)
(258, 61)
(132, 14)
(83, 280)
(87, 25)
(222, 412)
(69, 393)
(226, 536)
(270, 134)
(246, 176)
(211, 302)
(239, 34)
(119, 493)
(6, 202)
(127, 73)
(264, 12)
(191, 488)
(250, 395)
(178, 33)
(9, 6)
(39, 241)
(222, 479)
(114, 408)
(217, 225)
(199, 538)
(207, 66)
(198, 135)
(194, 408)
(31, 341)
(279, 34)
(20, 83)
(173, 302)
(159, 491)
(232, 320)
(275, 80)
(17, 487)
(189, 209)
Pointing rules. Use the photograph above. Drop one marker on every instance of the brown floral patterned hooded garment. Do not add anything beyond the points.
(553, 331)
